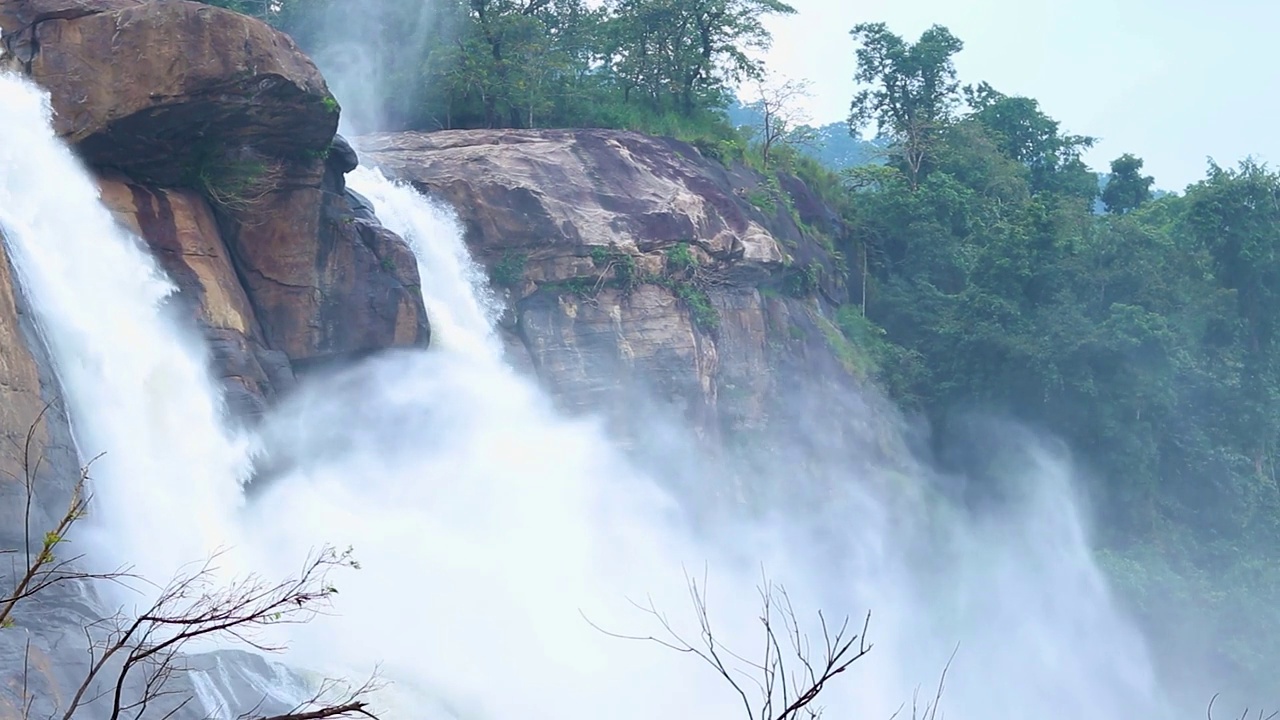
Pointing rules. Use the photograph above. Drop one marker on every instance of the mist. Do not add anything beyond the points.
(507, 545)
(504, 542)
(364, 49)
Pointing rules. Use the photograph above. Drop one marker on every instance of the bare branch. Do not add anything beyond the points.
(784, 694)
(1243, 715)
(135, 658)
(782, 121)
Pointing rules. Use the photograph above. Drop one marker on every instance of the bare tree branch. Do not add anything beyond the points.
(784, 693)
(134, 658)
(782, 121)
(1243, 715)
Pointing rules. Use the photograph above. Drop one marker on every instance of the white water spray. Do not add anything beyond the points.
(134, 382)
(491, 528)
(492, 525)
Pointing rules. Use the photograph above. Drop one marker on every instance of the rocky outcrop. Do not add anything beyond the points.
(633, 265)
(183, 233)
(162, 89)
(37, 456)
(328, 282)
(215, 138)
(34, 435)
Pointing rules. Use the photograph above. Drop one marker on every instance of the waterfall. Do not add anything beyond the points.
(461, 308)
(133, 377)
(493, 527)
(506, 547)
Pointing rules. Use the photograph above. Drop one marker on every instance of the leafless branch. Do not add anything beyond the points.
(787, 683)
(1243, 715)
(42, 569)
(135, 657)
(328, 702)
(782, 121)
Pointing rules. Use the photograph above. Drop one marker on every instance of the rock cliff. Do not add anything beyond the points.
(215, 140)
(633, 263)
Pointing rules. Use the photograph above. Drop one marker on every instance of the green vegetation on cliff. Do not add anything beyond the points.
(987, 266)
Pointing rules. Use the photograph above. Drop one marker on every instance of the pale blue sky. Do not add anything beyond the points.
(1173, 81)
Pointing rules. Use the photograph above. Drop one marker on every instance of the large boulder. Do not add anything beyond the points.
(167, 90)
(635, 267)
(327, 281)
(217, 136)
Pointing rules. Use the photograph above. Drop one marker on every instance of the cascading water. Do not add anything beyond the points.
(133, 377)
(461, 308)
(491, 528)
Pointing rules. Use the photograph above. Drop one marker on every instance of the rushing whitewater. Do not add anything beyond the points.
(499, 537)
(134, 379)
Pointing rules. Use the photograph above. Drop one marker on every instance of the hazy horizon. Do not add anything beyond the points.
(1173, 82)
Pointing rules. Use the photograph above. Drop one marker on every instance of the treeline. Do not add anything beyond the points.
(1000, 273)
(540, 63)
(1145, 334)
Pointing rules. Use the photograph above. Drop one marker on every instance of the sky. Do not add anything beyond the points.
(1172, 81)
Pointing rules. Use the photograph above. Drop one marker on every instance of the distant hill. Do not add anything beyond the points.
(833, 147)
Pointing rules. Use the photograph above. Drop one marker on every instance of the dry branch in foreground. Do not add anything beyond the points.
(785, 683)
(1243, 715)
(135, 657)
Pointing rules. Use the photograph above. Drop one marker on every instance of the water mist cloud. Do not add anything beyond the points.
(491, 526)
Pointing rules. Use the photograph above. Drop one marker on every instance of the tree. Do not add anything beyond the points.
(782, 121)
(1127, 188)
(913, 90)
(1235, 215)
(512, 56)
(1025, 134)
(135, 658)
(684, 54)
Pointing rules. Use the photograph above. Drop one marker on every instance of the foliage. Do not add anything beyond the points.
(1145, 337)
(1126, 187)
(509, 271)
(704, 314)
(912, 90)
(237, 181)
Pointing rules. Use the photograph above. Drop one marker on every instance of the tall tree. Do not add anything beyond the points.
(912, 90)
(1127, 187)
(1025, 134)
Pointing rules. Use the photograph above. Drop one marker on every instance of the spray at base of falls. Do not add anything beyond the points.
(491, 528)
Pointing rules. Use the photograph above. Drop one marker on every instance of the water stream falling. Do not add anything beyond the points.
(133, 376)
(491, 527)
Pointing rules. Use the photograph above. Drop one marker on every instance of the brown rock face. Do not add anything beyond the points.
(219, 136)
(632, 264)
(325, 282)
(293, 279)
(20, 399)
(180, 227)
(163, 89)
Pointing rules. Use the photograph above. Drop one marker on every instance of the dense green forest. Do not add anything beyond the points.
(1000, 272)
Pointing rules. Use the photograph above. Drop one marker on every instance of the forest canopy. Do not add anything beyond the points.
(987, 264)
